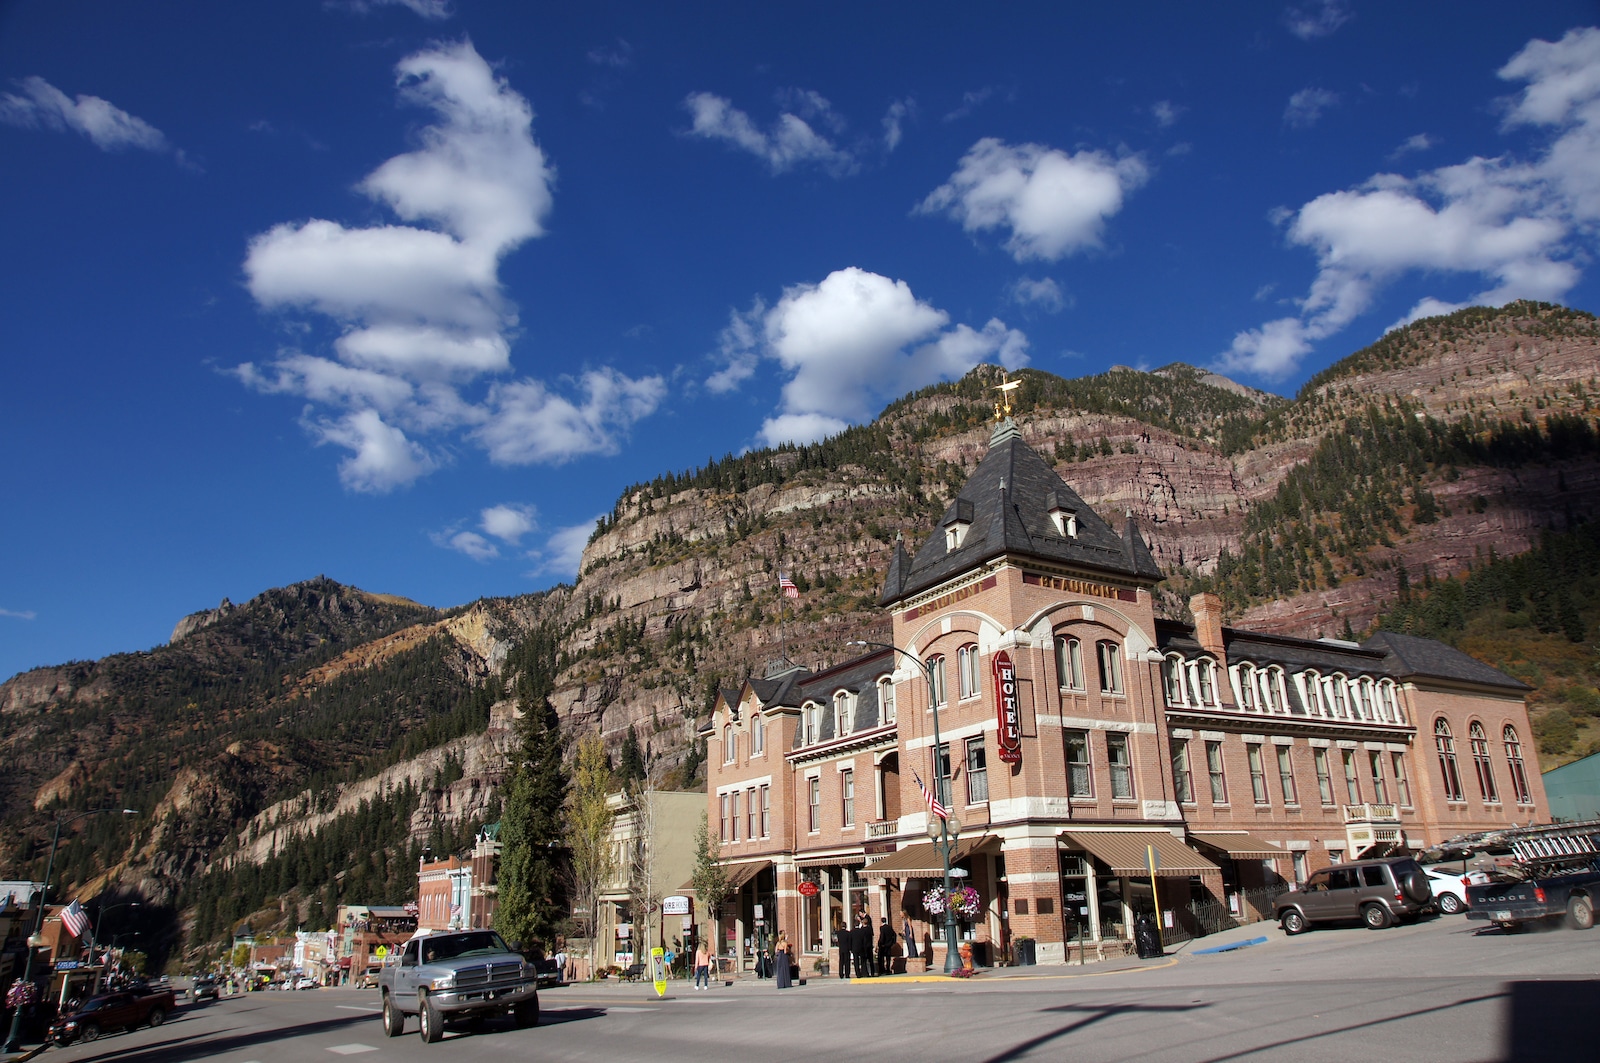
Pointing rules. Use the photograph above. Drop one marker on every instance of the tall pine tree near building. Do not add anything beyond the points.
(532, 900)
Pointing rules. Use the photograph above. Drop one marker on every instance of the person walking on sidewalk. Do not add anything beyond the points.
(702, 966)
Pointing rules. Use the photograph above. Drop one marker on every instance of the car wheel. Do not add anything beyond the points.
(1293, 922)
(432, 1022)
(394, 1020)
(1449, 903)
(1376, 916)
(526, 1013)
(158, 1016)
(1580, 913)
(89, 1031)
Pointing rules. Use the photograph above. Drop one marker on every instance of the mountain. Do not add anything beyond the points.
(273, 739)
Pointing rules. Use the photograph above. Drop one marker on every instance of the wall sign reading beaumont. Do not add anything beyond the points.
(1005, 698)
(950, 599)
(1081, 586)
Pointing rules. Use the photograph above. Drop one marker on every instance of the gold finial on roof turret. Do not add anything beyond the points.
(1002, 405)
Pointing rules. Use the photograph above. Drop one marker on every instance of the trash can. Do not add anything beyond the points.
(1022, 952)
(1147, 939)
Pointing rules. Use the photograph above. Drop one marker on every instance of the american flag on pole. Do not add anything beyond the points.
(75, 919)
(934, 804)
(786, 585)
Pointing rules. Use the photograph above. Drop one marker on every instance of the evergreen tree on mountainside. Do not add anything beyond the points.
(532, 897)
(631, 770)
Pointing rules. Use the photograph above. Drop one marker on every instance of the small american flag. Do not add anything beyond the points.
(786, 585)
(75, 919)
(934, 804)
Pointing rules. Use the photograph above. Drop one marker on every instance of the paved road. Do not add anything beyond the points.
(1435, 991)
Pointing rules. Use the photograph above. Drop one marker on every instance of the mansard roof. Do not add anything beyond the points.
(1006, 506)
(1408, 656)
(859, 675)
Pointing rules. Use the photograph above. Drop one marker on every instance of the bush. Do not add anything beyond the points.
(1556, 731)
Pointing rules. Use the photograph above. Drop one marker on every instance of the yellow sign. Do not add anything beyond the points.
(658, 970)
(381, 951)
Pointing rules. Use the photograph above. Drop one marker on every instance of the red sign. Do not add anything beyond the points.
(809, 889)
(1005, 699)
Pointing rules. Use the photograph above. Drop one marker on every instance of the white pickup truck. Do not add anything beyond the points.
(458, 975)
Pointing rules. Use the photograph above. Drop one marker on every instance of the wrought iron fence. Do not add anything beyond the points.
(1199, 919)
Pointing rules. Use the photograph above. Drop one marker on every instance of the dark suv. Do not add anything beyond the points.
(1376, 892)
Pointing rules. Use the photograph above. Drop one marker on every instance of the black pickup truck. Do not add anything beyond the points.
(1555, 874)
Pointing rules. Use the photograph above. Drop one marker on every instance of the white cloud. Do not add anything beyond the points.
(1054, 203)
(382, 458)
(470, 543)
(419, 305)
(1509, 224)
(23, 614)
(432, 10)
(1166, 113)
(899, 111)
(508, 522)
(854, 340)
(107, 126)
(1306, 106)
(1419, 142)
(1317, 19)
(1045, 294)
(738, 344)
(563, 551)
(790, 142)
(970, 101)
(530, 424)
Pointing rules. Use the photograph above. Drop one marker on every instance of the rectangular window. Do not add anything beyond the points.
(733, 816)
(1258, 775)
(936, 694)
(942, 774)
(1380, 792)
(1319, 757)
(766, 811)
(1110, 668)
(814, 789)
(1181, 780)
(1078, 775)
(1291, 796)
(722, 831)
(847, 797)
(1352, 784)
(886, 701)
(1402, 786)
(1219, 781)
(977, 772)
(1121, 765)
(751, 812)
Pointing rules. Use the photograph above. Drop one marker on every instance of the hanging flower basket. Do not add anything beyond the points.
(21, 994)
(965, 899)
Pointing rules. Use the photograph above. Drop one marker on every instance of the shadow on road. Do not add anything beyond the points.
(1091, 1015)
(1551, 1020)
(179, 1049)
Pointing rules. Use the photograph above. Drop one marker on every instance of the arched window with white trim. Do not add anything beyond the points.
(730, 747)
(811, 714)
(1445, 744)
(1174, 679)
(1069, 663)
(937, 695)
(1244, 686)
(1338, 696)
(758, 734)
(1364, 687)
(1110, 658)
(1205, 681)
(886, 699)
(967, 668)
(842, 715)
(1311, 688)
(1481, 764)
(1519, 774)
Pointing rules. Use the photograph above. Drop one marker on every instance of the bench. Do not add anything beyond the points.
(632, 973)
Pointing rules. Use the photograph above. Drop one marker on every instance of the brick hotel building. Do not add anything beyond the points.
(1245, 760)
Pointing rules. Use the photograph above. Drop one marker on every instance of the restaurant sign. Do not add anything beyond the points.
(1009, 716)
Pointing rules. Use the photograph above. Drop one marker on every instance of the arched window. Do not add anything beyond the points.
(1481, 763)
(812, 714)
(1205, 680)
(1445, 743)
(1390, 700)
(1311, 683)
(937, 695)
(886, 699)
(1245, 687)
(1069, 663)
(758, 734)
(730, 746)
(1271, 680)
(1337, 686)
(841, 713)
(1519, 775)
(967, 666)
(1110, 656)
(1364, 698)
(1174, 680)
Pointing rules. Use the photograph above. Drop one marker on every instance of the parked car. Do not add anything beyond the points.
(1553, 873)
(1449, 886)
(308, 983)
(1376, 892)
(204, 988)
(113, 1011)
(459, 975)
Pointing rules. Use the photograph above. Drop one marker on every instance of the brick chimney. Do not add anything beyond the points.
(1207, 610)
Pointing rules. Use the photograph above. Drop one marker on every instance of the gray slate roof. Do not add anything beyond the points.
(1007, 502)
(1408, 655)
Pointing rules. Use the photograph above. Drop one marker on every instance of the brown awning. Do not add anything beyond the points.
(1238, 844)
(922, 859)
(738, 875)
(838, 860)
(1124, 851)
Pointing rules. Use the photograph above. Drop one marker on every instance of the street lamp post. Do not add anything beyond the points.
(945, 842)
(14, 1039)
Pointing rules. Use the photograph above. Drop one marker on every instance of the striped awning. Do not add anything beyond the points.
(1238, 845)
(738, 875)
(922, 859)
(1125, 851)
(837, 860)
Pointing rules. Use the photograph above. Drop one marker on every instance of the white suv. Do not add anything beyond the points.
(1450, 887)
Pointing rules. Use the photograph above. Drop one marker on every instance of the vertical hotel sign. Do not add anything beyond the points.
(1010, 717)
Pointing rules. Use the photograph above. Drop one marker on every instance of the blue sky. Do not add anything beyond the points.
(406, 292)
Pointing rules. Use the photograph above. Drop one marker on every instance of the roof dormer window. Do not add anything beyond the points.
(957, 520)
(1063, 517)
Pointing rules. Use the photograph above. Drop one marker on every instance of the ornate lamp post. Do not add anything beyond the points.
(14, 1040)
(944, 833)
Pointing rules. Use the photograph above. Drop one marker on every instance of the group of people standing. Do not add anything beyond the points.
(856, 947)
